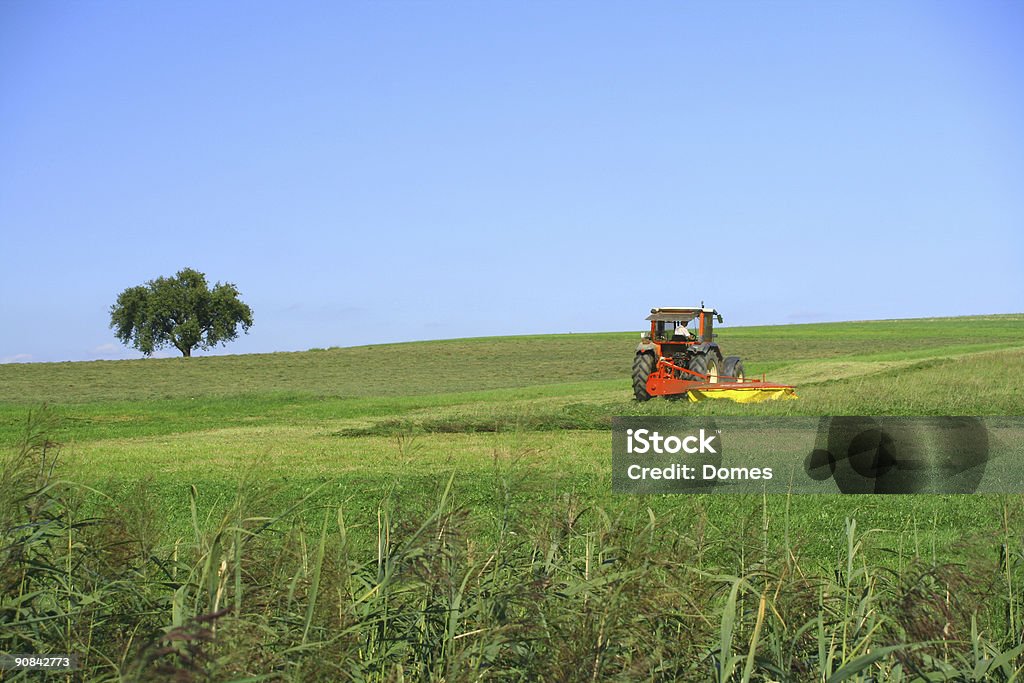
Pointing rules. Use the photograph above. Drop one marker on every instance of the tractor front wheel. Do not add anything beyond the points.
(705, 364)
(643, 366)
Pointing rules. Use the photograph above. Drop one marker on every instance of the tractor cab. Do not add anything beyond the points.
(671, 325)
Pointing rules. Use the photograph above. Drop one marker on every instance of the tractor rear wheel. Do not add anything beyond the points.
(643, 365)
(733, 368)
(705, 364)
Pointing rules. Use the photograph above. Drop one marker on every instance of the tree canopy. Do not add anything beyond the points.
(180, 311)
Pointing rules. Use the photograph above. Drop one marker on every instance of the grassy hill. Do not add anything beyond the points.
(373, 420)
(956, 366)
(462, 365)
(546, 391)
(353, 448)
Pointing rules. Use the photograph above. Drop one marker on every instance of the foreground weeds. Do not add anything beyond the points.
(576, 593)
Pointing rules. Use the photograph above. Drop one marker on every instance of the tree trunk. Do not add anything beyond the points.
(186, 352)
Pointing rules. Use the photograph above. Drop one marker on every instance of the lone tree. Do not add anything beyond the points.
(180, 311)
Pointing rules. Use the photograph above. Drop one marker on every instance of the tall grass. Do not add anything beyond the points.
(575, 593)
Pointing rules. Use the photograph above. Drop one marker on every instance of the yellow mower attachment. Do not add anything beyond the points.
(752, 394)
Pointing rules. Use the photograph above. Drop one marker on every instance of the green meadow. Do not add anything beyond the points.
(442, 511)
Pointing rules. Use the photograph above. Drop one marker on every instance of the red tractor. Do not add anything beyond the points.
(674, 360)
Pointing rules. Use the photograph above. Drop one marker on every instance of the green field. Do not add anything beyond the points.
(284, 486)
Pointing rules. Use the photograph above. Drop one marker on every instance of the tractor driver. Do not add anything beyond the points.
(681, 331)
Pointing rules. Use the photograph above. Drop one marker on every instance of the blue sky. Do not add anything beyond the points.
(388, 171)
